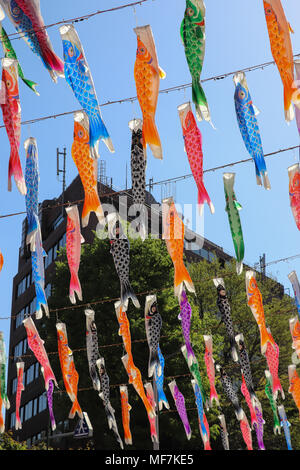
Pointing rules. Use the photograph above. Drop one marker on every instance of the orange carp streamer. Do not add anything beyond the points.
(256, 304)
(134, 374)
(147, 75)
(87, 168)
(281, 47)
(173, 234)
(125, 414)
(69, 372)
(294, 387)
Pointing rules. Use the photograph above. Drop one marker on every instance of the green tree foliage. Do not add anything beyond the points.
(8, 443)
(151, 269)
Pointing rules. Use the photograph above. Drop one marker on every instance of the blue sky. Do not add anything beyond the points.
(236, 38)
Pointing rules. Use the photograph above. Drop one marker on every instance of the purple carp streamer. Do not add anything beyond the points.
(180, 406)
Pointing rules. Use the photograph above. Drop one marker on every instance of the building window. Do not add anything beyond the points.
(42, 402)
(35, 407)
(52, 253)
(19, 318)
(32, 306)
(20, 348)
(14, 385)
(58, 221)
(24, 284)
(12, 420)
(28, 410)
(30, 374)
(49, 258)
(36, 370)
(24, 233)
(48, 290)
(28, 309)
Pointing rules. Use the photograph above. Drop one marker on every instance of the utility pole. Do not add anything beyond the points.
(262, 263)
(63, 171)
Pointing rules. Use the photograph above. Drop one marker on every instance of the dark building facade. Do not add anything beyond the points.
(34, 409)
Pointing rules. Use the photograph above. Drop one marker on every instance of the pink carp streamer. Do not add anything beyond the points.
(36, 344)
(152, 420)
(193, 147)
(74, 240)
(11, 110)
(294, 191)
(20, 388)
(31, 10)
(210, 368)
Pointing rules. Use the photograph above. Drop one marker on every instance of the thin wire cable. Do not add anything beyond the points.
(163, 91)
(148, 292)
(16, 36)
(124, 191)
(226, 165)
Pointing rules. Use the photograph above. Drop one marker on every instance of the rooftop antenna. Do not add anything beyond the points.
(62, 154)
(102, 178)
(168, 189)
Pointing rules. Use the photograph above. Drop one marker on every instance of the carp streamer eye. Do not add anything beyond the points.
(242, 94)
(190, 11)
(15, 11)
(80, 134)
(71, 52)
(8, 83)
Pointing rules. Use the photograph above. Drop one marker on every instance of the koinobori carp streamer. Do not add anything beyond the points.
(87, 168)
(20, 388)
(138, 165)
(74, 241)
(285, 424)
(192, 32)
(225, 311)
(210, 369)
(147, 75)
(36, 344)
(10, 53)
(180, 406)
(125, 414)
(153, 324)
(232, 208)
(32, 196)
(246, 116)
(173, 234)
(26, 16)
(195, 371)
(159, 379)
(11, 110)
(281, 47)
(3, 392)
(193, 147)
(104, 394)
(185, 316)
(272, 401)
(79, 78)
(69, 372)
(294, 191)
(203, 423)
(296, 288)
(38, 275)
(120, 250)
